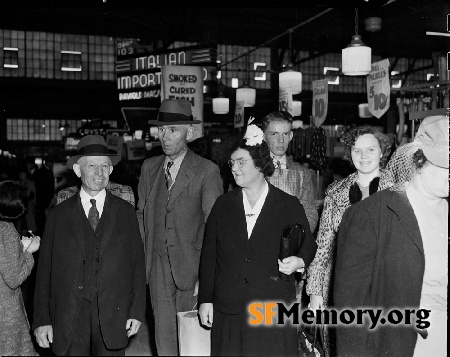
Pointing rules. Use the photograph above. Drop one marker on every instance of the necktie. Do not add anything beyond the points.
(169, 180)
(93, 215)
(279, 166)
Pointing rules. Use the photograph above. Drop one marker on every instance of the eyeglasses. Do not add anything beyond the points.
(240, 162)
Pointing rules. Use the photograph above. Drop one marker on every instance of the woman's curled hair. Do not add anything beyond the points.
(350, 136)
(260, 155)
(12, 200)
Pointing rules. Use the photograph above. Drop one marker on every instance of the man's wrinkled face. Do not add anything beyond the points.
(94, 172)
(174, 139)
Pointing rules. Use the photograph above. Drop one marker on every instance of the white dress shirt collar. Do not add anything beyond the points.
(86, 201)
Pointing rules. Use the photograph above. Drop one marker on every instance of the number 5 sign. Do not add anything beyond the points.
(378, 88)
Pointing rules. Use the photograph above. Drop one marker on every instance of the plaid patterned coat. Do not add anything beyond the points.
(296, 180)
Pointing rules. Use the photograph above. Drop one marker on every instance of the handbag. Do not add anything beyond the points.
(193, 339)
(309, 344)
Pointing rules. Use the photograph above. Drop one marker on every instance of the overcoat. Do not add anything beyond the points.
(380, 263)
(196, 188)
(61, 272)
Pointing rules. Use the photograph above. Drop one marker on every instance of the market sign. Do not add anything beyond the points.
(320, 101)
(185, 82)
(139, 70)
(378, 88)
(285, 99)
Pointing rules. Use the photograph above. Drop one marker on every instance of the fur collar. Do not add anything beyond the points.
(355, 194)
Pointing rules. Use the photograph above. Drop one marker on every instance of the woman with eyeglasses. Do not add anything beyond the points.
(240, 257)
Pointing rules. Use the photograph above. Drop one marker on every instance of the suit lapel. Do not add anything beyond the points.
(110, 215)
(239, 218)
(184, 176)
(75, 211)
(153, 175)
(266, 216)
(407, 218)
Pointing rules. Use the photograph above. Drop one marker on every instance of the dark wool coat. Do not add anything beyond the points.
(235, 270)
(380, 263)
(60, 274)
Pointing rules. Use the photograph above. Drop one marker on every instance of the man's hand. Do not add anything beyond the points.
(44, 335)
(132, 327)
(206, 312)
(196, 289)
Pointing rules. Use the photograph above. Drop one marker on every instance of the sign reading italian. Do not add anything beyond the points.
(378, 88)
(239, 115)
(185, 82)
(320, 101)
(285, 99)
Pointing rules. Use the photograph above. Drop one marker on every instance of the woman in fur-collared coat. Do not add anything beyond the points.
(368, 150)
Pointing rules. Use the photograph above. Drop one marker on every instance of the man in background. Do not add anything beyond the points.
(289, 176)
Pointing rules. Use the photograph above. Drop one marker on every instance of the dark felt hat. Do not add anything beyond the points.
(174, 112)
(93, 145)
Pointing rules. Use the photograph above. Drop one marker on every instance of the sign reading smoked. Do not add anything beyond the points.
(239, 115)
(185, 82)
(378, 88)
(285, 99)
(320, 101)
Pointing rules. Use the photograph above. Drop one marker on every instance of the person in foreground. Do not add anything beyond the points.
(176, 193)
(368, 150)
(289, 176)
(392, 253)
(90, 283)
(239, 262)
(16, 263)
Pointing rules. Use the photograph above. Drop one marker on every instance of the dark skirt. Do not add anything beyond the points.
(232, 335)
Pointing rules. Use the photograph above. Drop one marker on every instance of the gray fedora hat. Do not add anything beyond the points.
(173, 112)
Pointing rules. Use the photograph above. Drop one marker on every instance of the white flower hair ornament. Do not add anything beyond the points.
(254, 135)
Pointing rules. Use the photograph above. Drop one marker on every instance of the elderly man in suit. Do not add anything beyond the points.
(176, 193)
(90, 286)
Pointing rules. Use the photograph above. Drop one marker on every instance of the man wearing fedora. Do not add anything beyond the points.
(176, 193)
(90, 285)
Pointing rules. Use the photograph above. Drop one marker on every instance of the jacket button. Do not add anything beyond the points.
(246, 280)
(248, 260)
(80, 287)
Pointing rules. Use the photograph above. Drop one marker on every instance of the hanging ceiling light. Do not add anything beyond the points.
(246, 93)
(289, 77)
(220, 104)
(296, 108)
(356, 57)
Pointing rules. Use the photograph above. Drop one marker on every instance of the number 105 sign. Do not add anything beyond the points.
(378, 88)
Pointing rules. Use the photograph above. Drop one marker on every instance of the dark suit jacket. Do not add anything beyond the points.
(234, 269)
(380, 263)
(60, 272)
(196, 188)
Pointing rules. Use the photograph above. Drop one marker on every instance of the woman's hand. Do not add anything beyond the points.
(34, 245)
(290, 265)
(316, 302)
(206, 312)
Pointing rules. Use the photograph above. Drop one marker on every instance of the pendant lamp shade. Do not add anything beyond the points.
(363, 110)
(356, 58)
(221, 105)
(296, 108)
(291, 78)
(246, 94)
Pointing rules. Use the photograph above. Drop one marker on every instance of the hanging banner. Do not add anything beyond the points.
(185, 82)
(239, 115)
(285, 100)
(378, 88)
(320, 101)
